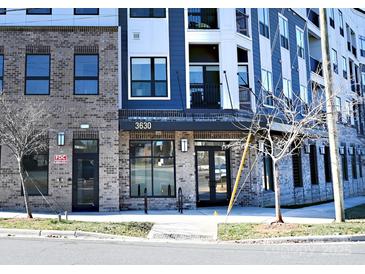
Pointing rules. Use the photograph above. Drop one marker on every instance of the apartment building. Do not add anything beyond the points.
(163, 92)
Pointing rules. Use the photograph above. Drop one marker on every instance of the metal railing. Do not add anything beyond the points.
(205, 95)
(316, 66)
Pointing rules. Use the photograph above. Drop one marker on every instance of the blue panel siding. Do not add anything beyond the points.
(177, 66)
(256, 52)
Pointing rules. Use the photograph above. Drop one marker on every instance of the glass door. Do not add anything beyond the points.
(213, 176)
(85, 188)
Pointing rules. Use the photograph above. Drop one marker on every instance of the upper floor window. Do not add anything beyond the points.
(86, 80)
(284, 33)
(264, 22)
(362, 46)
(287, 90)
(1, 72)
(37, 75)
(332, 17)
(148, 77)
(202, 18)
(2, 11)
(363, 80)
(300, 42)
(340, 19)
(266, 82)
(147, 13)
(242, 21)
(86, 11)
(344, 67)
(334, 61)
(304, 94)
(39, 11)
(338, 107)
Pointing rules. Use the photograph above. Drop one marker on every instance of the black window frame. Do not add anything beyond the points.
(284, 41)
(268, 172)
(344, 164)
(37, 77)
(2, 73)
(313, 164)
(297, 164)
(89, 13)
(354, 163)
(39, 194)
(152, 81)
(327, 164)
(79, 78)
(2, 11)
(332, 19)
(152, 158)
(151, 13)
(29, 12)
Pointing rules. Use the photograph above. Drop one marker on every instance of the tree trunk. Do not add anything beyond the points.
(25, 192)
(278, 216)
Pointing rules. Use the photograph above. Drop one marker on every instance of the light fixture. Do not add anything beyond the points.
(184, 145)
(307, 149)
(84, 126)
(322, 150)
(61, 138)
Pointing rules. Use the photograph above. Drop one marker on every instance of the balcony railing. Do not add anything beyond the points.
(205, 96)
(242, 22)
(313, 17)
(316, 66)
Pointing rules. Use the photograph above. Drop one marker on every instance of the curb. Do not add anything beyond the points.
(302, 239)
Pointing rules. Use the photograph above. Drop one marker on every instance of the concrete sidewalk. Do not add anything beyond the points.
(201, 224)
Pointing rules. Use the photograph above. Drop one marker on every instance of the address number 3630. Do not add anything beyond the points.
(142, 125)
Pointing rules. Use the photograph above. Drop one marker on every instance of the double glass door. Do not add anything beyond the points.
(213, 176)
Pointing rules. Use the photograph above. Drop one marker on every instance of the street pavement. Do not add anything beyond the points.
(18, 251)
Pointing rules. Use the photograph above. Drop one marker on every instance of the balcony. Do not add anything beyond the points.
(316, 66)
(242, 22)
(205, 95)
(313, 17)
(202, 18)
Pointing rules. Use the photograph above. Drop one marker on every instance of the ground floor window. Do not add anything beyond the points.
(36, 174)
(268, 173)
(345, 174)
(327, 164)
(353, 163)
(152, 167)
(313, 164)
(297, 167)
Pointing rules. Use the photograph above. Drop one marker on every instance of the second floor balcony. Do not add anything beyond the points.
(205, 95)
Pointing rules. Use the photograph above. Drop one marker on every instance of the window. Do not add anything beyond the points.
(313, 164)
(36, 170)
(243, 76)
(149, 77)
(86, 11)
(332, 17)
(202, 18)
(37, 75)
(340, 19)
(360, 165)
(242, 21)
(362, 46)
(300, 42)
(147, 13)
(266, 82)
(86, 80)
(152, 166)
(353, 162)
(334, 61)
(344, 67)
(39, 11)
(338, 107)
(264, 22)
(304, 94)
(287, 90)
(345, 173)
(297, 167)
(2, 11)
(363, 80)
(327, 164)
(284, 33)
(1, 73)
(348, 112)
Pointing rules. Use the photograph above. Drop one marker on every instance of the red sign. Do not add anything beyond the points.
(60, 159)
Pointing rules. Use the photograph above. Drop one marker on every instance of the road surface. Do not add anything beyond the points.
(57, 251)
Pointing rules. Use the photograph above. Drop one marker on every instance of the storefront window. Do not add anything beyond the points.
(152, 167)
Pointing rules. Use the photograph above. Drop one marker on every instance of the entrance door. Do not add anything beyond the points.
(213, 176)
(85, 186)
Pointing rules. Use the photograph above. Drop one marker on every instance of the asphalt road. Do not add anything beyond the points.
(56, 251)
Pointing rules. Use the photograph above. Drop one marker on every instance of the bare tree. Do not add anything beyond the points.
(24, 129)
(283, 124)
